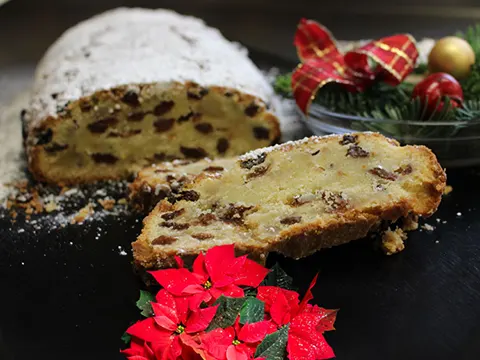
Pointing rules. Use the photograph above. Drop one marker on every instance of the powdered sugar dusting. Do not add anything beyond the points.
(139, 46)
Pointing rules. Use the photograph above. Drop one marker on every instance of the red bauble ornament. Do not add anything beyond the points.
(436, 86)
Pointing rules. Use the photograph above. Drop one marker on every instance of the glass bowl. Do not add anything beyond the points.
(456, 143)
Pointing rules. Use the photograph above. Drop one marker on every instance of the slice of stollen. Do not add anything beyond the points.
(295, 198)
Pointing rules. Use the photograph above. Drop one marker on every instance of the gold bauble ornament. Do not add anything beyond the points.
(451, 55)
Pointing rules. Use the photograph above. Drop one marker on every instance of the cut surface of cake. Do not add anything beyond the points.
(166, 180)
(132, 87)
(295, 198)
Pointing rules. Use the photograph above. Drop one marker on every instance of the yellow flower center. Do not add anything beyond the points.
(236, 342)
(180, 329)
(207, 285)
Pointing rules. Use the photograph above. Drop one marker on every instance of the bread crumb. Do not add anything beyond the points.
(122, 201)
(51, 206)
(82, 214)
(393, 241)
(107, 203)
(410, 223)
(448, 189)
(428, 227)
(459, 214)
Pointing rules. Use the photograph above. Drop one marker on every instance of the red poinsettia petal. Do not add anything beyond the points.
(251, 274)
(196, 300)
(308, 295)
(326, 317)
(192, 348)
(236, 353)
(147, 330)
(305, 343)
(182, 305)
(269, 294)
(175, 280)
(166, 317)
(281, 311)
(199, 268)
(169, 351)
(230, 291)
(179, 261)
(138, 350)
(256, 332)
(217, 261)
(216, 342)
(230, 271)
(200, 319)
(166, 299)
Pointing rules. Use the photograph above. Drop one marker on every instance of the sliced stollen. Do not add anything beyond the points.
(295, 198)
(131, 87)
(167, 179)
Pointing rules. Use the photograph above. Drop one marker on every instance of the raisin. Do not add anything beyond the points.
(258, 171)
(189, 195)
(173, 214)
(163, 108)
(163, 157)
(315, 153)
(382, 173)
(404, 170)
(252, 109)
(222, 145)
(349, 139)
(131, 98)
(44, 137)
(202, 236)
(291, 220)
(228, 94)
(204, 128)
(85, 106)
(54, 96)
(136, 116)
(125, 134)
(261, 133)
(195, 153)
(174, 225)
(55, 147)
(104, 158)
(206, 219)
(101, 126)
(335, 200)
(235, 214)
(197, 94)
(164, 240)
(186, 117)
(248, 164)
(162, 125)
(214, 168)
(356, 151)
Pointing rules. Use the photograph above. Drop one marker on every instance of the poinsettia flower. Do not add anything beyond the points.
(236, 342)
(139, 350)
(216, 273)
(172, 318)
(307, 322)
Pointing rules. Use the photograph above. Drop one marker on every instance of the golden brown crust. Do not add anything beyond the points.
(37, 155)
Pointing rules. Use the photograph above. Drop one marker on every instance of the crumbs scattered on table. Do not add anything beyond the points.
(393, 241)
(107, 203)
(428, 227)
(448, 189)
(459, 214)
(83, 214)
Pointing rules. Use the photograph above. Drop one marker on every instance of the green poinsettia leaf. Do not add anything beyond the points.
(253, 310)
(227, 312)
(126, 338)
(144, 303)
(274, 346)
(278, 277)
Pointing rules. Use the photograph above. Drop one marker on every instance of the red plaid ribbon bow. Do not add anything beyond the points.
(322, 62)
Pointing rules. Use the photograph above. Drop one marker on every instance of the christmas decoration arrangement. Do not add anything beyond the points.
(382, 80)
(229, 308)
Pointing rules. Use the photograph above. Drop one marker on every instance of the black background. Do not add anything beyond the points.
(62, 301)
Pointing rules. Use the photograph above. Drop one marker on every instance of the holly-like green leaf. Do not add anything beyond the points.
(126, 338)
(143, 303)
(274, 346)
(227, 311)
(253, 310)
(278, 277)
